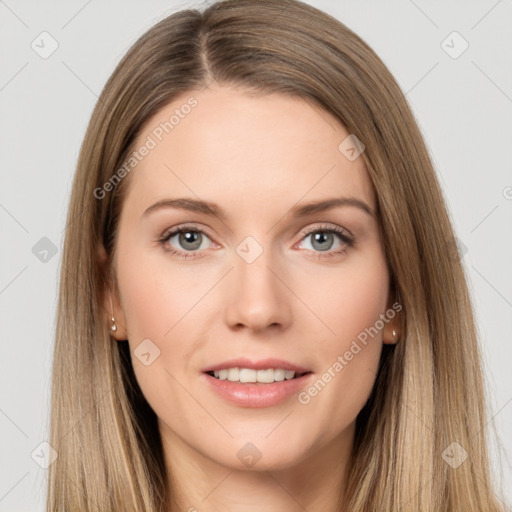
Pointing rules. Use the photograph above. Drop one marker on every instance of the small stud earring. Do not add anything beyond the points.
(394, 332)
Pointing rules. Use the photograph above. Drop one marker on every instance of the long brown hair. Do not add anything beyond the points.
(429, 391)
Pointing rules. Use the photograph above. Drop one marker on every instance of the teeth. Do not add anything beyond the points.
(279, 375)
(265, 376)
(233, 374)
(249, 375)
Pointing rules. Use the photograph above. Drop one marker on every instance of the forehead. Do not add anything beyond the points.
(227, 145)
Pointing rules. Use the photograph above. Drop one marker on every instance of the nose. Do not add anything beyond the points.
(257, 296)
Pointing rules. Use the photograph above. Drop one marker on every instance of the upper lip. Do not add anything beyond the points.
(262, 364)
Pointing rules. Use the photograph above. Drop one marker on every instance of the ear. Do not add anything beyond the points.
(110, 300)
(391, 333)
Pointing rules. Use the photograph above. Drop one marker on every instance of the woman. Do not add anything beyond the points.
(261, 302)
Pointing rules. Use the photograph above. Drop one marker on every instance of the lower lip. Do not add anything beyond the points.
(256, 394)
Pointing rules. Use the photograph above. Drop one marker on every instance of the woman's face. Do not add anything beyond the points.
(255, 280)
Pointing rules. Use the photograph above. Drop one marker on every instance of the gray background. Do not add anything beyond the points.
(463, 106)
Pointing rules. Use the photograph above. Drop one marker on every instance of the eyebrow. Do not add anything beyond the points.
(213, 210)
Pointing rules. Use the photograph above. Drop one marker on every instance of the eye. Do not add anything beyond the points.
(327, 239)
(183, 240)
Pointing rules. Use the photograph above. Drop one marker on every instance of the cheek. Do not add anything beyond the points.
(154, 312)
(146, 308)
(356, 304)
(155, 295)
(351, 306)
(348, 299)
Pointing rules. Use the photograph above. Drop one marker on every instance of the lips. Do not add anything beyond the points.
(262, 393)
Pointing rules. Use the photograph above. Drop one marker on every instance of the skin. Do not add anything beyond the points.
(256, 156)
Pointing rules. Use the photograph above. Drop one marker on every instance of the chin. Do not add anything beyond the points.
(260, 455)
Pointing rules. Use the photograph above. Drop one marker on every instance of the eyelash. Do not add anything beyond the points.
(345, 239)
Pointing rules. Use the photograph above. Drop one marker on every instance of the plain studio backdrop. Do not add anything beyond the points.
(453, 62)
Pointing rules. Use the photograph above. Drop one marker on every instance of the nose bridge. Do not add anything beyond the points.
(257, 298)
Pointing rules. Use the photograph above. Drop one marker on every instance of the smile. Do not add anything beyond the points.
(250, 375)
(250, 384)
